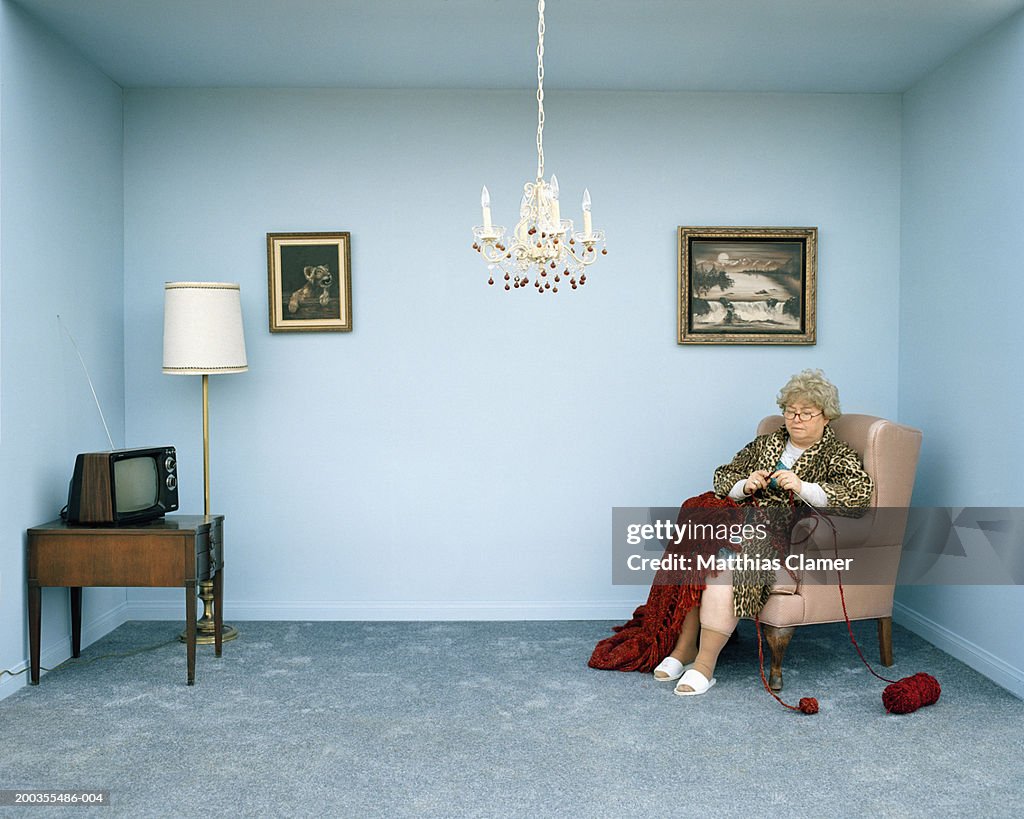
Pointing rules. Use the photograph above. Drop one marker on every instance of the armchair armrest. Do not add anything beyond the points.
(813, 534)
(870, 545)
(878, 527)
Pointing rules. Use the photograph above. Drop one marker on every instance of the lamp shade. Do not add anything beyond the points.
(203, 329)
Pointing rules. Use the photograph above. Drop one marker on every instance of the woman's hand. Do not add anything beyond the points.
(787, 480)
(757, 481)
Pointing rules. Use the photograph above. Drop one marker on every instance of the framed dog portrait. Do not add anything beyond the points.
(747, 285)
(310, 282)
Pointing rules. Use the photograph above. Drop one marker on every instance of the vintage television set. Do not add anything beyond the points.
(123, 486)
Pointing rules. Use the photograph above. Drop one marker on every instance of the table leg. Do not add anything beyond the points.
(34, 618)
(218, 611)
(190, 628)
(76, 620)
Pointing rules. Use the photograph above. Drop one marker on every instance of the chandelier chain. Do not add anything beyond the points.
(540, 90)
(542, 251)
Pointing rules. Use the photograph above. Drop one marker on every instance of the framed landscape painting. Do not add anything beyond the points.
(747, 285)
(310, 281)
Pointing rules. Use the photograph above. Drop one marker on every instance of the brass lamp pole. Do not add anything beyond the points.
(206, 444)
(206, 628)
(203, 336)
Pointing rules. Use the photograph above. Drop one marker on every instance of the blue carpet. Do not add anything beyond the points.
(504, 719)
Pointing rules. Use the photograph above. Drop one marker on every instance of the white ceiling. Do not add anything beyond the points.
(713, 45)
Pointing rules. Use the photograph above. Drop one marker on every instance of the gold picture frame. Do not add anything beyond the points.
(309, 279)
(747, 285)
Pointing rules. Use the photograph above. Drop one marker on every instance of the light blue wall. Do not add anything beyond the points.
(61, 204)
(458, 454)
(961, 337)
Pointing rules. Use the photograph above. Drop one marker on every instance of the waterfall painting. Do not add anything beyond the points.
(747, 285)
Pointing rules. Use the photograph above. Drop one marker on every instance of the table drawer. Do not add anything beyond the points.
(111, 561)
(209, 551)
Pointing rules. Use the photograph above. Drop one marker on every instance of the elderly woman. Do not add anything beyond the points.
(804, 458)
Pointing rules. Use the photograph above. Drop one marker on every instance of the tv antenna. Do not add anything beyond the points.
(88, 378)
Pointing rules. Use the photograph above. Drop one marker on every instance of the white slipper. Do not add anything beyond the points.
(697, 681)
(672, 667)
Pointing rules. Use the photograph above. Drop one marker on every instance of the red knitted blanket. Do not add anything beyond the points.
(650, 635)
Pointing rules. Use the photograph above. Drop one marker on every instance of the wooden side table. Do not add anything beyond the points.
(177, 550)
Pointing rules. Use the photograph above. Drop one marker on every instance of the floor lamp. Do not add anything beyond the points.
(203, 336)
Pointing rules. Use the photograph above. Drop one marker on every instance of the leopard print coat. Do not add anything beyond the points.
(830, 463)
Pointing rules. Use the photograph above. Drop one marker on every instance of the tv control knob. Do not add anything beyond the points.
(169, 464)
(172, 482)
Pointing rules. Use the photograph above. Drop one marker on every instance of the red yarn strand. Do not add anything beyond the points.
(901, 696)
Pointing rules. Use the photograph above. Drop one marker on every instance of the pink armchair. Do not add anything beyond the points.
(889, 452)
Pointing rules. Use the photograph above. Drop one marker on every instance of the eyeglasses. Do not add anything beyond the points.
(806, 415)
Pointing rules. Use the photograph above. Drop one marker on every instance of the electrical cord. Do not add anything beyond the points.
(16, 673)
(79, 661)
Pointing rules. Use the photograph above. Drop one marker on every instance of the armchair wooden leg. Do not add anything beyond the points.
(778, 642)
(885, 640)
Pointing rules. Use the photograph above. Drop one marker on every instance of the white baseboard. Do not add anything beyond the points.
(398, 610)
(52, 655)
(8, 685)
(982, 661)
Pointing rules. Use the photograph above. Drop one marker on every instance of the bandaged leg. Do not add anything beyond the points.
(717, 622)
(686, 643)
(716, 606)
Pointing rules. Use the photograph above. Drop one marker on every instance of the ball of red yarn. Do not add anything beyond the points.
(808, 705)
(910, 693)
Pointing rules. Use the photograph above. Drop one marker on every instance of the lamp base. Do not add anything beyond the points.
(209, 637)
(206, 628)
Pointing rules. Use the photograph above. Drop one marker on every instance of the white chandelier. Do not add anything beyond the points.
(543, 250)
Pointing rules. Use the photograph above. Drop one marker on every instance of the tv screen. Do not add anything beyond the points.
(136, 484)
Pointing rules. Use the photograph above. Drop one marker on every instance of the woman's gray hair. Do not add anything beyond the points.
(812, 387)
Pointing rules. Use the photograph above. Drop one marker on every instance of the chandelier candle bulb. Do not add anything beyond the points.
(587, 224)
(556, 214)
(485, 204)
